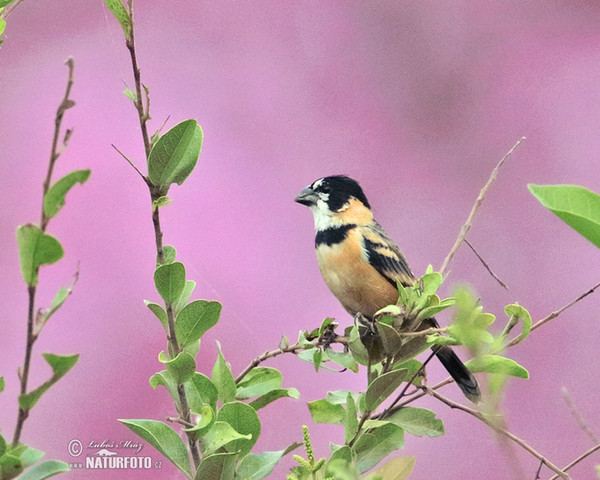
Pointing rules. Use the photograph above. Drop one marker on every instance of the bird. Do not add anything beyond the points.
(362, 265)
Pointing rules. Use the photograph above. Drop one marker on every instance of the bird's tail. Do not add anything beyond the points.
(459, 372)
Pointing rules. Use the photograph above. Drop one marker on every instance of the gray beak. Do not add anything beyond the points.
(307, 197)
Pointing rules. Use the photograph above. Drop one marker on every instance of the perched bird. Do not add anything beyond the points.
(361, 264)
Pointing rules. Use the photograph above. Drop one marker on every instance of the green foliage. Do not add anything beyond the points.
(120, 13)
(164, 439)
(396, 469)
(54, 199)
(45, 470)
(577, 206)
(174, 156)
(169, 280)
(195, 319)
(243, 419)
(36, 248)
(223, 378)
(60, 365)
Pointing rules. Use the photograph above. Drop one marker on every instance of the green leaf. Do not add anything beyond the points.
(344, 359)
(118, 10)
(2, 384)
(273, 395)
(219, 466)
(516, 312)
(244, 420)
(175, 154)
(45, 470)
(130, 94)
(27, 455)
(397, 469)
(418, 421)
(350, 422)
(200, 390)
(317, 358)
(258, 466)
(182, 301)
(57, 302)
(181, 368)
(577, 206)
(433, 310)
(2, 446)
(382, 387)
(165, 379)
(392, 341)
(54, 199)
(204, 422)
(258, 381)
(3, 22)
(357, 348)
(497, 364)
(195, 319)
(343, 453)
(10, 466)
(36, 248)
(164, 439)
(223, 378)
(324, 324)
(323, 411)
(60, 365)
(170, 281)
(170, 253)
(376, 444)
(219, 435)
(160, 313)
(161, 202)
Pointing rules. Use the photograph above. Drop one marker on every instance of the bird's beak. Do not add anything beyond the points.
(307, 197)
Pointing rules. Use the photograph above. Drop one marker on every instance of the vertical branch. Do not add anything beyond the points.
(65, 104)
(139, 104)
(469, 222)
(143, 116)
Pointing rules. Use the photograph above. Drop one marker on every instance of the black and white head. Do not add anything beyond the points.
(336, 200)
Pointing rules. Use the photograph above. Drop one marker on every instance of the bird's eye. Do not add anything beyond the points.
(325, 188)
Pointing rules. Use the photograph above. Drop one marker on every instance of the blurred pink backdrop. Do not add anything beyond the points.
(416, 100)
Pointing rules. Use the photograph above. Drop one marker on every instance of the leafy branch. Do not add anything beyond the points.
(37, 248)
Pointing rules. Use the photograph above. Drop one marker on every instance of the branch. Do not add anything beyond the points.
(10, 8)
(452, 404)
(32, 335)
(269, 354)
(579, 459)
(174, 347)
(485, 265)
(578, 418)
(467, 225)
(555, 314)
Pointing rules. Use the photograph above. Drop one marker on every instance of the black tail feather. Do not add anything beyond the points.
(459, 372)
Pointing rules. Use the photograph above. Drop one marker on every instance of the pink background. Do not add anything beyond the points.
(417, 100)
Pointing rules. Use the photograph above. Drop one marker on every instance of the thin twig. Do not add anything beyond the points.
(500, 430)
(10, 8)
(581, 457)
(180, 421)
(467, 225)
(143, 116)
(578, 418)
(555, 314)
(485, 265)
(32, 334)
(130, 162)
(265, 356)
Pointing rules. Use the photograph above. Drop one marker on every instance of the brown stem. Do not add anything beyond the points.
(480, 198)
(480, 416)
(32, 336)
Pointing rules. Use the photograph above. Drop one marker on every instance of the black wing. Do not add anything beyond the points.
(385, 256)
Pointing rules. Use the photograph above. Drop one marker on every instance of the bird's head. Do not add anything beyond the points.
(335, 201)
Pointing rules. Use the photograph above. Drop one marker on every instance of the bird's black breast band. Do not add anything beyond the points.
(333, 235)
